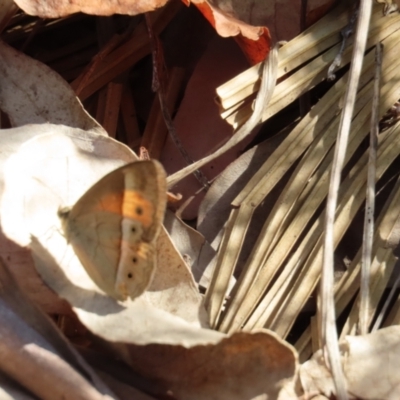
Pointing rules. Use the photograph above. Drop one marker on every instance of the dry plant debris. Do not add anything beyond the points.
(231, 311)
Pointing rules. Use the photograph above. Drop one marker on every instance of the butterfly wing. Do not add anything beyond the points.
(113, 227)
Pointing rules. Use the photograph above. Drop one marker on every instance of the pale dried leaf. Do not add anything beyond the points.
(195, 250)
(61, 8)
(18, 256)
(370, 363)
(36, 355)
(37, 185)
(315, 376)
(31, 92)
(48, 166)
(134, 321)
(141, 321)
(243, 366)
(138, 322)
(173, 288)
(22, 267)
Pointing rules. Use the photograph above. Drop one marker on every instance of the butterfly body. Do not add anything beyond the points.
(113, 227)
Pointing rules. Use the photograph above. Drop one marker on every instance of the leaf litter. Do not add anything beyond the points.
(234, 342)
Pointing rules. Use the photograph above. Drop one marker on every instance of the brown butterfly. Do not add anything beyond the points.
(114, 225)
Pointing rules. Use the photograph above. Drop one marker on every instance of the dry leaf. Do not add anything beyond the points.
(370, 364)
(54, 170)
(17, 255)
(32, 93)
(44, 173)
(36, 355)
(136, 321)
(195, 250)
(36, 185)
(183, 346)
(61, 8)
(242, 366)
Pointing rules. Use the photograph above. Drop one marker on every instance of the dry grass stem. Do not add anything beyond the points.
(155, 133)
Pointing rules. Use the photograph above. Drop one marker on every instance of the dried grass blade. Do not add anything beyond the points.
(349, 284)
(262, 182)
(385, 307)
(268, 175)
(389, 94)
(314, 72)
(313, 195)
(218, 288)
(381, 269)
(263, 263)
(329, 336)
(313, 41)
(352, 195)
(394, 316)
(368, 232)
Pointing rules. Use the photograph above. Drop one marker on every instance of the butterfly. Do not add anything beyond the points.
(113, 227)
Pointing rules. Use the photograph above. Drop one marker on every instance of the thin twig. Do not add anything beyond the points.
(329, 334)
(346, 32)
(368, 234)
(158, 62)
